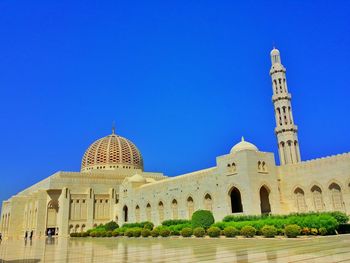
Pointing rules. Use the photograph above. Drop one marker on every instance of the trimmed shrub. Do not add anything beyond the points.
(115, 233)
(231, 231)
(73, 234)
(202, 218)
(213, 231)
(145, 232)
(164, 232)
(148, 225)
(174, 222)
(292, 230)
(155, 232)
(305, 231)
(108, 233)
(98, 234)
(103, 233)
(248, 231)
(199, 232)
(269, 231)
(186, 232)
(129, 232)
(110, 226)
(322, 231)
(136, 232)
(314, 231)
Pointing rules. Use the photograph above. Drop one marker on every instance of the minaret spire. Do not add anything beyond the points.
(286, 131)
(113, 127)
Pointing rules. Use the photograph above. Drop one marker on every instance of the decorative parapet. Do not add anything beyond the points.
(191, 176)
(318, 162)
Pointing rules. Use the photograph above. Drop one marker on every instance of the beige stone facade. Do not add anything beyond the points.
(113, 186)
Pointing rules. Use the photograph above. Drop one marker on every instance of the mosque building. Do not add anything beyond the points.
(112, 184)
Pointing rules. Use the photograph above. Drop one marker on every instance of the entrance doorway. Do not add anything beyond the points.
(236, 200)
(265, 206)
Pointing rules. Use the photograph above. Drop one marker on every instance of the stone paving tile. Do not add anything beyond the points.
(300, 250)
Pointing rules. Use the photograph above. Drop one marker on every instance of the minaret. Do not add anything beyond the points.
(286, 131)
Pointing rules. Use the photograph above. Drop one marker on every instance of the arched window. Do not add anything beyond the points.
(190, 206)
(149, 212)
(264, 200)
(259, 166)
(125, 212)
(175, 209)
(161, 211)
(263, 167)
(236, 200)
(317, 198)
(337, 197)
(137, 213)
(208, 202)
(300, 200)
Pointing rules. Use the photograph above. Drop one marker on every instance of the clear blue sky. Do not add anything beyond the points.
(183, 80)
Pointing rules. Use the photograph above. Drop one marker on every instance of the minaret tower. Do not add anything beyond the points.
(286, 131)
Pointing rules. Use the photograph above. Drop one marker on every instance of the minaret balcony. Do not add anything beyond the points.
(286, 128)
(281, 96)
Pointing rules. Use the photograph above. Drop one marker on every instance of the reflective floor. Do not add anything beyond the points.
(319, 249)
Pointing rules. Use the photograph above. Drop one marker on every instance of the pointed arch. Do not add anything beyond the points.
(300, 202)
(137, 213)
(336, 196)
(190, 206)
(208, 202)
(161, 211)
(265, 205)
(236, 200)
(317, 198)
(174, 207)
(149, 212)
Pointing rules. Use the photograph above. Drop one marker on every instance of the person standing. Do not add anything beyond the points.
(26, 235)
(0, 238)
(31, 235)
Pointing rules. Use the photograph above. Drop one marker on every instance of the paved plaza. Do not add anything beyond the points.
(319, 249)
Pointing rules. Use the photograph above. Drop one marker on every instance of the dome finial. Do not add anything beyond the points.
(242, 139)
(113, 127)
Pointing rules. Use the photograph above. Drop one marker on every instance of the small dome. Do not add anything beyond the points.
(243, 146)
(275, 52)
(110, 153)
(137, 178)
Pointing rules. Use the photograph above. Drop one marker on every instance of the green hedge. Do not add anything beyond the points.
(140, 225)
(175, 222)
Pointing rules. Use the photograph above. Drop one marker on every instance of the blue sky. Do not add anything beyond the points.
(184, 80)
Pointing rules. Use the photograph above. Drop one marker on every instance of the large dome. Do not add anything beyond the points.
(110, 153)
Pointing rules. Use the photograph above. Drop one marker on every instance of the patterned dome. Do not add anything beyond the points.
(112, 152)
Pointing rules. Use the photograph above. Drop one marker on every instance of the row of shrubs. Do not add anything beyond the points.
(203, 220)
(308, 221)
(341, 217)
(229, 232)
